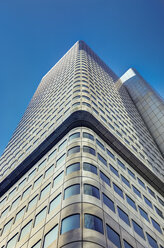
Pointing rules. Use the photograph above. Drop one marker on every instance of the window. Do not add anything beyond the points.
(12, 242)
(32, 202)
(151, 192)
(108, 202)
(21, 184)
(113, 236)
(40, 216)
(114, 170)
(72, 190)
(69, 223)
(118, 190)
(141, 183)
(50, 237)
(143, 213)
(152, 242)
(159, 212)
(127, 245)
(136, 191)
(121, 164)
(55, 202)
(74, 136)
(148, 202)
(123, 216)
(91, 190)
(138, 229)
(103, 160)
(45, 191)
(15, 203)
(42, 164)
(124, 180)
(32, 174)
(61, 160)
(160, 201)
(26, 192)
(73, 167)
(104, 178)
(52, 154)
(38, 181)
(156, 225)
(100, 144)
(49, 171)
(88, 136)
(89, 149)
(26, 229)
(37, 245)
(12, 193)
(7, 226)
(62, 145)
(89, 167)
(73, 150)
(110, 154)
(20, 214)
(93, 222)
(5, 212)
(58, 179)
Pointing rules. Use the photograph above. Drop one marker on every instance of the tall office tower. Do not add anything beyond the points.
(84, 167)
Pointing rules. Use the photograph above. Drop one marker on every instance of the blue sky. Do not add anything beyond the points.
(35, 34)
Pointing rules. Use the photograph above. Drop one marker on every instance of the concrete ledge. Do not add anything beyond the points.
(81, 119)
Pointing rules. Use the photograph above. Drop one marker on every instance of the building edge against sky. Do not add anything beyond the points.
(83, 156)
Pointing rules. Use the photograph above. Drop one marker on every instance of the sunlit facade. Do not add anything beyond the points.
(85, 167)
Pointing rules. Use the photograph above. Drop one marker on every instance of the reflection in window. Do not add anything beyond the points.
(123, 216)
(89, 150)
(113, 236)
(88, 136)
(72, 190)
(108, 202)
(55, 202)
(25, 230)
(138, 229)
(93, 222)
(74, 136)
(152, 242)
(73, 167)
(40, 216)
(73, 150)
(91, 190)
(90, 167)
(50, 237)
(104, 178)
(69, 223)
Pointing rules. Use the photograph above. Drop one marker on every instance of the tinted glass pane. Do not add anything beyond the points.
(110, 154)
(136, 191)
(148, 202)
(7, 226)
(73, 150)
(58, 179)
(125, 181)
(52, 154)
(89, 150)
(93, 222)
(151, 192)
(20, 214)
(123, 216)
(12, 242)
(152, 241)
(90, 167)
(72, 190)
(61, 160)
(127, 245)
(113, 236)
(26, 229)
(100, 144)
(55, 202)
(104, 178)
(74, 136)
(5, 212)
(37, 245)
(159, 212)
(138, 229)
(118, 190)
(32, 202)
(70, 223)
(88, 136)
(91, 190)
(156, 225)
(114, 170)
(143, 213)
(141, 183)
(131, 174)
(108, 202)
(40, 216)
(131, 202)
(121, 164)
(26, 192)
(49, 171)
(51, 236)
(103, 160)
(73, 167)
(62, 145)
(45, 191)
(38, 181)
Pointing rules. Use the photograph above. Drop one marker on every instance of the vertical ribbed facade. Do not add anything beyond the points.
(82, 169)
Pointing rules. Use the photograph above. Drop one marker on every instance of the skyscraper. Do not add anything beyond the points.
(84, 167)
